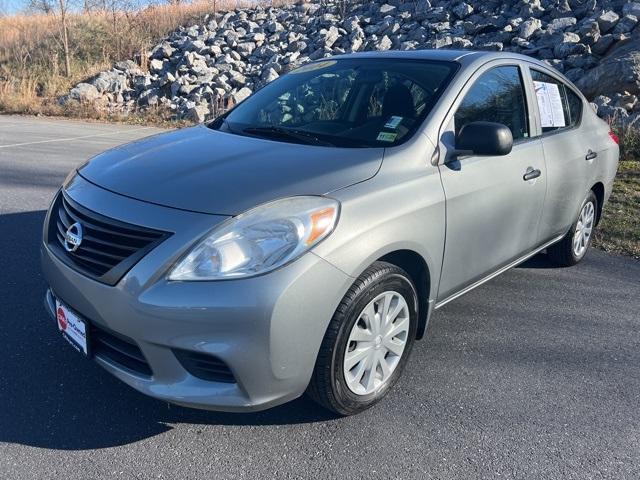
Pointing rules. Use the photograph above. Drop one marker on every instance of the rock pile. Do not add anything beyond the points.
(199, 70)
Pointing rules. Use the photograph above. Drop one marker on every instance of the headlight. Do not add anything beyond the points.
(260, 240)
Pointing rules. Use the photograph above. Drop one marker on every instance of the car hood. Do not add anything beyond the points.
(203, 170)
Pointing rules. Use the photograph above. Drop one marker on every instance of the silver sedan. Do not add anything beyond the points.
(301, 241)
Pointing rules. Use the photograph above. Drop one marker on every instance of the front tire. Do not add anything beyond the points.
(368, 341)
(573, 247)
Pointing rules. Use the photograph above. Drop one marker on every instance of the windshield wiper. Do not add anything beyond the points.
(299, 135)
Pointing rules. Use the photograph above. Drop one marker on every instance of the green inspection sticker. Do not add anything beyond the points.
(387, 137)
(314, 66)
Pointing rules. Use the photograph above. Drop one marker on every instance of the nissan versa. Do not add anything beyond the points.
(301, 242)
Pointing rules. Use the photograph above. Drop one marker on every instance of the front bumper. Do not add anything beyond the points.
(267, 329)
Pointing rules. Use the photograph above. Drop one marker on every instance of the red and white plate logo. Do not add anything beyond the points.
(62, 319)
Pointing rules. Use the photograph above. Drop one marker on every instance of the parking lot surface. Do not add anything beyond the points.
(536, 374)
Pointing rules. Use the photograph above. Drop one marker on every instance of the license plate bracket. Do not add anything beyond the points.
(73, 327)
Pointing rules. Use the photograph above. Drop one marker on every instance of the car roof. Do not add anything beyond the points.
(451, 55)
(446, 55)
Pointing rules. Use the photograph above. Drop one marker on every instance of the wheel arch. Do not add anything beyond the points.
(598, 190)
(417, 268)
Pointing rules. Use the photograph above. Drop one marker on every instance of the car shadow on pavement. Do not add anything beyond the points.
(52, 397)
(541, 260)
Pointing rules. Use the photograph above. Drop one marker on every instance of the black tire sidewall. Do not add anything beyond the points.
(390, 282)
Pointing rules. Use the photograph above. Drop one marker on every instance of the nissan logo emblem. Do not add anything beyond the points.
(73, 237)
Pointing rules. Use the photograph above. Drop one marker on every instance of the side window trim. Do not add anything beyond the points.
(532, 123)
(540, 132)
(446, 127)
(528, 117)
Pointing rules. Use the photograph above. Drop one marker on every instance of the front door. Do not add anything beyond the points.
(493, 204)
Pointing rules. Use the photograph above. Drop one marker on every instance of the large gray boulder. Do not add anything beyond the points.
(619, 71)
(529, 27)
(84, 92)
(110, 81)
(608, 20)
(197, 114)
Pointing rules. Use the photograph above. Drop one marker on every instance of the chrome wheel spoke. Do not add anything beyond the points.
(576, 241)
(369, 317)
(353, 358)
(355, 377)
(394, 313)
(362, 335)
(376, 343)
(371, 371)
(394, 346)
(395, 328)
(384, 366)
(383, 310)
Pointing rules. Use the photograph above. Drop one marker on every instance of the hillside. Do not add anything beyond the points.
(199, 70)
(33, 64)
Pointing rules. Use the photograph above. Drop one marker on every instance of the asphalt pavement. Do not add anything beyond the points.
(536, 374)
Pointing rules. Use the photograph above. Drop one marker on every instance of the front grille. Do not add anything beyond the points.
(204, 366)
(109, 248)
(118, 350)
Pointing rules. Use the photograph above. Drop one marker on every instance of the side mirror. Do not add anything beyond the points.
(484, 138)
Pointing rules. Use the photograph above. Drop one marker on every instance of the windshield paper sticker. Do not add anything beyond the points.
(549, 104)
(387, 137)
(314, 66)
(393, 122)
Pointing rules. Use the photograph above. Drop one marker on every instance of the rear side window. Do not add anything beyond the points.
(497, 96)
(558, 105)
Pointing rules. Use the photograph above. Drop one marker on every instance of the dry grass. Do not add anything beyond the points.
(619, 230)
(629, 136)
(31, 55)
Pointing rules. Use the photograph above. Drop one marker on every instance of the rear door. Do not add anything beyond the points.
(570, 151)
(492, 211)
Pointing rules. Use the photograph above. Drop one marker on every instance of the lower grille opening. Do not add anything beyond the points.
(204, 366)
(122, 352)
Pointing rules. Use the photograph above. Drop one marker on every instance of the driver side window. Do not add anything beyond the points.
(497, 96)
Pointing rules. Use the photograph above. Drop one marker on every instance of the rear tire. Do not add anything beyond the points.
(575, 244)
(359, 333)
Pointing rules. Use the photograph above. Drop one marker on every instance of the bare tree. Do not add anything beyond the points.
(60, 10)
(64, 34)
(40, 6)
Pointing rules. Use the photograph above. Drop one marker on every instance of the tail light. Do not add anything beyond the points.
(614, 137)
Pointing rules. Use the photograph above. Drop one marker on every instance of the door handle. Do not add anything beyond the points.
(531, 173)
(591, 155)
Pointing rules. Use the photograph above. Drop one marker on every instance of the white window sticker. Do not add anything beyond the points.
(549, 104)
(393, 122)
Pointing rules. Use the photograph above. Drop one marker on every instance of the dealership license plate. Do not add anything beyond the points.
(73, 328)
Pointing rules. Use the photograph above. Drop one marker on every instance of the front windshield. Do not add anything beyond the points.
(347, 103)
